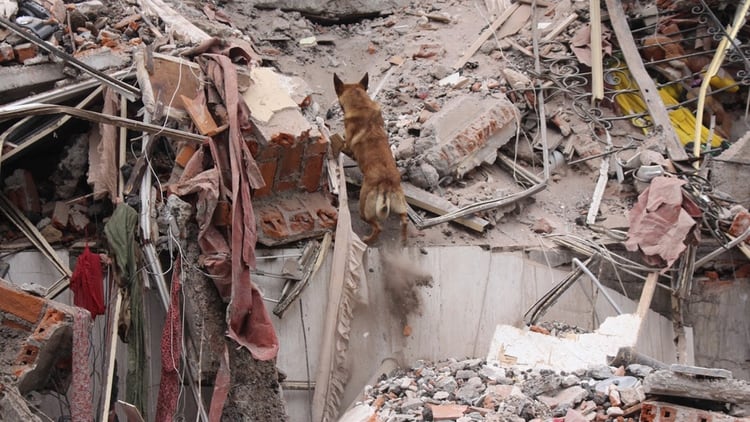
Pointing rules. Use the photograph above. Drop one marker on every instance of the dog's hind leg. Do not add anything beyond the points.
(376, 229)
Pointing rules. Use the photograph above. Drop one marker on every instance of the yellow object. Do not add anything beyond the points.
(723, 79)
(682, 119)
(713, 69)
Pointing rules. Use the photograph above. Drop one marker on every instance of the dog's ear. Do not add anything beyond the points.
(364, 81)
(337, 84)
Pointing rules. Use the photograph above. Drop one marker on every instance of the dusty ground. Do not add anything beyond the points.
(369, 45)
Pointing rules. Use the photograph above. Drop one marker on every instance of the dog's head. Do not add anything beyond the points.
(350, 93)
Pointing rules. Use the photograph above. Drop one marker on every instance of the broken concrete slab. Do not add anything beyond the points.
(265, 94)
(467, 133)
(37, 337)
(332, 8)
(527, 348)
(18, 81)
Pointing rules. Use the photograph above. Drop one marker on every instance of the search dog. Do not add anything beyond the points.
(366, 141)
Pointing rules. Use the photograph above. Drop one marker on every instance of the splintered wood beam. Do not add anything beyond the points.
(650, 95)
(485, 35)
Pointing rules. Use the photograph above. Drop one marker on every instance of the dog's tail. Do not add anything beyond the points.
(382, 203)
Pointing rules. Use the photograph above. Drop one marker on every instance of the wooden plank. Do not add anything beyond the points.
(485, 36)
(644, 304)
(515, 22)
(560, 27)
(650, 95)
(668, 383)
(597, 65)
(200, 115)
(437, 205)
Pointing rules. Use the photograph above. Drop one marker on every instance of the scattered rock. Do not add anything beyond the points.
(541, 225)
(639, 371)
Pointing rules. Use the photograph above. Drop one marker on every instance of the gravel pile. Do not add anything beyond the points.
(473, 390)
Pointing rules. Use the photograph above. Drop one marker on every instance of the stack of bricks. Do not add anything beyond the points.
(289, 164)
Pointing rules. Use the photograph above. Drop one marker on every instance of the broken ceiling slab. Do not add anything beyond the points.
(526, 348)
(467, 133)
(266, 95)
(285, 127)
(274, 102)
(288, 219)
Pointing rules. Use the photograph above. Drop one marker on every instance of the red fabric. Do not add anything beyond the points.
(248, 319)
(87, 283)
(171, 349)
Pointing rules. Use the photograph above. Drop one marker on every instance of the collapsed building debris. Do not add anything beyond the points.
(165, 145)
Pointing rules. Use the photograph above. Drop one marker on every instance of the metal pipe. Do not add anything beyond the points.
(723, 249)
(598, 284)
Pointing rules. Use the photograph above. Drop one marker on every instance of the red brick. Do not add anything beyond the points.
(6, 53)
(291, 159)
(51, 318)
(283, 139)
(301, 222)
(284, 185)
(27, 355)
(327, 218)
(20, 304)
(25, 51)
(60, 215)
(313, 168)
(316, 147)
(273, 224)
(268, 170)
(266, 153)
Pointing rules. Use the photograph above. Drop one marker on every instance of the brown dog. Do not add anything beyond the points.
(367, 142)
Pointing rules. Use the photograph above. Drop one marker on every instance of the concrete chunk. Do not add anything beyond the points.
(468, 132)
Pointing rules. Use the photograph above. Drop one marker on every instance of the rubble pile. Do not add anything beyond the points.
(478, 390)
(475, 390)
(620, 135)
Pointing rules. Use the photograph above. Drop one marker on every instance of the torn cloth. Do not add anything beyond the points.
(103, 151)
(658, 222)
(231, 259)
(171, 349)
(120, 232)
(87, 283)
